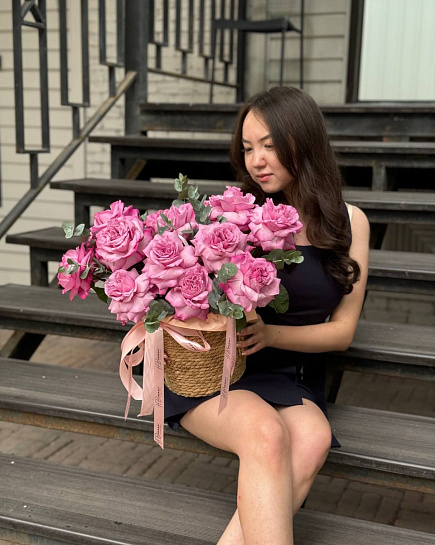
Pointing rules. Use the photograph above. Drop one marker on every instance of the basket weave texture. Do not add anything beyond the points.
(197, 374)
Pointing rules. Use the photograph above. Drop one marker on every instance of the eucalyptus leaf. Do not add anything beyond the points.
(61, 270)
(79, 230)
(144, 216)
(177, 203)
(166, 220)
(221, 219)
(86, 271)
(240, 323)
(213, 299)
(68, 229)
(101, 294)
(72, 269)
(281, 301)
(227, 271)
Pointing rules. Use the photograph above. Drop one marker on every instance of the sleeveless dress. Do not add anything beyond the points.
(284, 377)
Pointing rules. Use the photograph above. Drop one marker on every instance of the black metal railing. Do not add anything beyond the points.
(32, 13)
(209, 10)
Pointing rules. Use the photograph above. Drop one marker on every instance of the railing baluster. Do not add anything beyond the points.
(120, 37)
(19, 12)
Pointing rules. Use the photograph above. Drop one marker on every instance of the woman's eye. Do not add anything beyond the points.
(269, 146)
(246, 150)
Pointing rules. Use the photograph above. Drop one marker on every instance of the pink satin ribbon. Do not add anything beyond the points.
(139, 345)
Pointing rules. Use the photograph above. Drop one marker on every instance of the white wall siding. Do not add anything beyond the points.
(325, 48)
(398, 52)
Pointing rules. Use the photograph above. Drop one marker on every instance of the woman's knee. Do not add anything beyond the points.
(267, 441)
(312, 449)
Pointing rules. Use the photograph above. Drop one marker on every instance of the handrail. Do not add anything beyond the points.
(65, 154)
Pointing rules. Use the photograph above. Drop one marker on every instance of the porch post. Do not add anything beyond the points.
(137, 25)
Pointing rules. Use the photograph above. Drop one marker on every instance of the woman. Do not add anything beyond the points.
(276, 417)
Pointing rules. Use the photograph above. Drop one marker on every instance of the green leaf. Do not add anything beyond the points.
(280, 257)
(240, 323)
(86, 271)
(178, 185)
(227, 271)
(101, 294)
(221, 219)
(213, 299)
(177, 203)
(230, 309)
(159, 309)
(144, 216)
(281, 301)
(79, 230)
(166, 220)
(162, 228)
(193, 192)
(68, 229)
(72, 268)
(61, 270)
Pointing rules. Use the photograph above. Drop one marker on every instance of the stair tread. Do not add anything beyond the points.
(131, 511)
(383, 200)
(370, 438)
(341, 146)
(406, 265)
(396, 342)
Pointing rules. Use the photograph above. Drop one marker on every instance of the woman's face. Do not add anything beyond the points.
(261, 160)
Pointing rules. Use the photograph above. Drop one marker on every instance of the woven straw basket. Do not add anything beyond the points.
(197, 374)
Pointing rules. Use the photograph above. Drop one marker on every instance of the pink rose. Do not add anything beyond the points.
(255, 283)
(233, 205)
(121, 242)
(168, 258)
(216, 243)
(181, 217)
(72, 282)
(273, 227)
(117, 210)
(130, 294)
(190, 297)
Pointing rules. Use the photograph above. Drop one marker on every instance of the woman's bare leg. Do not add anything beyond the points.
(253, 430)
(310, 438)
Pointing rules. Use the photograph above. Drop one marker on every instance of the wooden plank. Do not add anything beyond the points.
(378, 441)
(97, 509)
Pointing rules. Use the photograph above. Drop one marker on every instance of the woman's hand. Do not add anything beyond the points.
(254, 337)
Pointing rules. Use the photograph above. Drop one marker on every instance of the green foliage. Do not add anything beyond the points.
(101, 294)
(159, 309)
(227, 271)
(280, 257)
(281, 301)
(240, 323)
(231, 309)
(70, 231)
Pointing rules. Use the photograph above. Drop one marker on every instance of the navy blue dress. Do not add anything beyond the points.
(284, 377)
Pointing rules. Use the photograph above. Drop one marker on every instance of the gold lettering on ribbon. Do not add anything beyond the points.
(229, 362)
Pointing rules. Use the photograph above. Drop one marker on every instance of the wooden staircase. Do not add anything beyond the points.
(379, 447)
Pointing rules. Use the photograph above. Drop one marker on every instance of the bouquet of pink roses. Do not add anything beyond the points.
(198, 268)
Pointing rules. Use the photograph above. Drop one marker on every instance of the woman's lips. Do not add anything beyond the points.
(264, 177)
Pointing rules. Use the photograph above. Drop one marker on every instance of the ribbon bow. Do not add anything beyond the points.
(138, 346)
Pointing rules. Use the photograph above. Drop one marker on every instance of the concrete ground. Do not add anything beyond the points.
(380, 504)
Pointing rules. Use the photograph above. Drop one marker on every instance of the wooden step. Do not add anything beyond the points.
(377, 446)
(379, 206)
(157, 146)
(398, 349)
(388, 271)
(351, 119)
(71, 505)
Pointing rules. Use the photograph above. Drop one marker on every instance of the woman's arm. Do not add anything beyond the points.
(337, 334)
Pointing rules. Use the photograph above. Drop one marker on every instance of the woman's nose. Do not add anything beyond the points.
(258, 159)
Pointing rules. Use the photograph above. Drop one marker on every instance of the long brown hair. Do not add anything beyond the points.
(301, 144)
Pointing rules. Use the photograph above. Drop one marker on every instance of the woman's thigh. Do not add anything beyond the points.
(247, 417)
